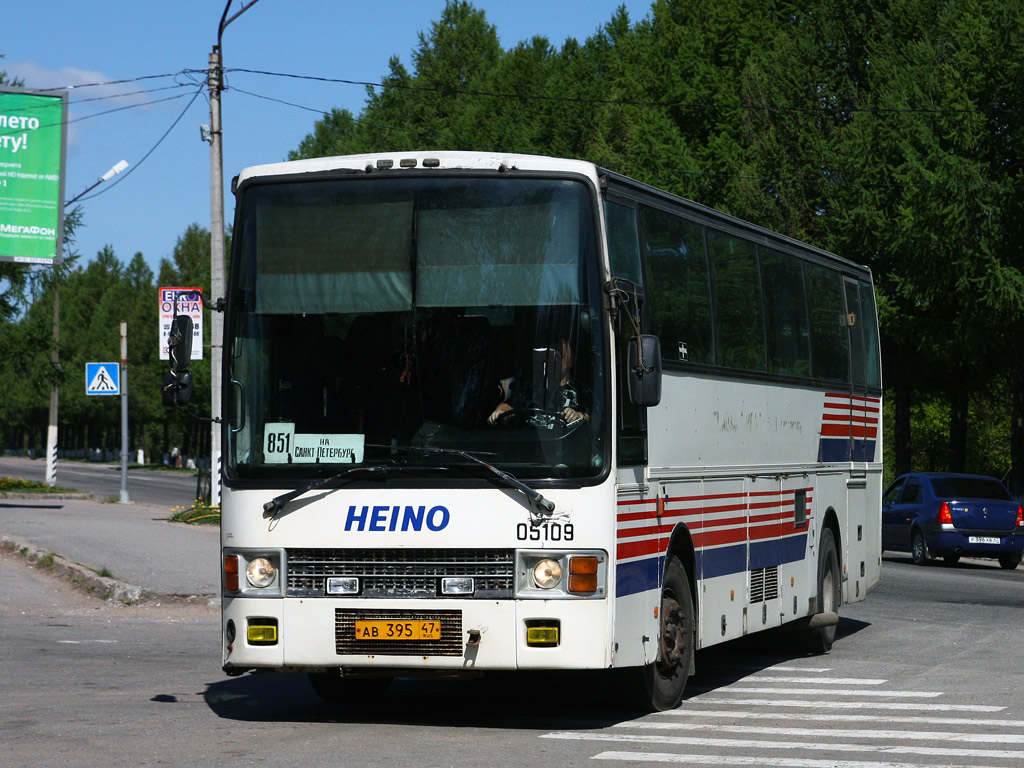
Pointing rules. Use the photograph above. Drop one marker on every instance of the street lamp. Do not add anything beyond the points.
(51, 430)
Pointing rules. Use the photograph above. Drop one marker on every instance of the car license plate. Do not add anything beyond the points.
(983, 540)
(381, 629)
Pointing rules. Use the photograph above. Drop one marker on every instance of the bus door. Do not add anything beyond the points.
(722, 559)
(865, 420)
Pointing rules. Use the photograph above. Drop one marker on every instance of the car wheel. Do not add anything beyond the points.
(659, 686)
(830, 593)
(951, 559)
(348, 692)
(1009, 562)
(919, 549)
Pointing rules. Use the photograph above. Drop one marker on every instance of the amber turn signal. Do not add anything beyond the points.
(582, 574)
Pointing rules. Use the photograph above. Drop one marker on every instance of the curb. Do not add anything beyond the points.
(49, 496)
(104, 587)
(111, 590)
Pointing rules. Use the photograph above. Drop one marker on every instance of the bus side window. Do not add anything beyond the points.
(789, 344)
(829, 339)
(624, 259)
(679, 288)
(739, 313)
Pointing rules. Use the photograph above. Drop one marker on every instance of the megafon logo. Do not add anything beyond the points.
(17, 229)
(396, 518)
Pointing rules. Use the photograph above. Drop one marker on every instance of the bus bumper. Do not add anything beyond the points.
(316, 634)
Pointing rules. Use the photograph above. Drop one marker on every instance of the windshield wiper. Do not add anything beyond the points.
(511, 480)
(273, 507)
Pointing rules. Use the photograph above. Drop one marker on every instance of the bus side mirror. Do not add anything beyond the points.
(179, 342)
(177, 386)
(644, 360)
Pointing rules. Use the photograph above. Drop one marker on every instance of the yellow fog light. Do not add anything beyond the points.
(543, 633)
(547, 574)
(261, 632)
(260, 572)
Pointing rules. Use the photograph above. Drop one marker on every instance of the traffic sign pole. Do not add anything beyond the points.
(124, 413)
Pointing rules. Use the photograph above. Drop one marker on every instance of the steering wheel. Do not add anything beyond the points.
(539, 418)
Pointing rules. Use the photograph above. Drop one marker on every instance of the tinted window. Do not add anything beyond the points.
(869, 327)
(739, 317)
(830, 355)
(623, 242)
(893, 494)
(785, 314)
(912, 491)
(679, 293)
(969, 488)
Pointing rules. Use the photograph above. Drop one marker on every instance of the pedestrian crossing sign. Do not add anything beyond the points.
(102, 379)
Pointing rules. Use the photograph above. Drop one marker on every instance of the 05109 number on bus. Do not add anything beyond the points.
(545, 532)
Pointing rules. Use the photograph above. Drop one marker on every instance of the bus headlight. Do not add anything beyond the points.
(558, 574)
(547, 574)
(254, 573)
(260, 572)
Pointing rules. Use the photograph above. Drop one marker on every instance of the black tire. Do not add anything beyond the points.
(1009, 562)
(919, 549)
(951, 559)
(830, 593)
(348, 692)
(659, 686)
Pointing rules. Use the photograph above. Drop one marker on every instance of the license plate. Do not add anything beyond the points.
(983, 540)
(380, 629)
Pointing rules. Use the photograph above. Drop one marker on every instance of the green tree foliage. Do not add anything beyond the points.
(888, 132)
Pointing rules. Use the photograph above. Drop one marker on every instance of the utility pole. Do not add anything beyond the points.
(215, 81)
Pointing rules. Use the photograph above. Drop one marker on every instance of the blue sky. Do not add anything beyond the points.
(61, 43)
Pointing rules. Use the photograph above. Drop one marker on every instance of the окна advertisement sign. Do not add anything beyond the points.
(32, 146)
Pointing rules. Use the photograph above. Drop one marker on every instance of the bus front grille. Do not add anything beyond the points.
(346, 642)
(401, 573)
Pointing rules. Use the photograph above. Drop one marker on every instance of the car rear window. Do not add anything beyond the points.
(969, 488)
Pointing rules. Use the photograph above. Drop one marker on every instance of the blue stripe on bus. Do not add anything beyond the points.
(639, 576)
(643, 575)
(765, 554)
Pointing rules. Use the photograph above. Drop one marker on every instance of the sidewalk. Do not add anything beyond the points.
(144, 553)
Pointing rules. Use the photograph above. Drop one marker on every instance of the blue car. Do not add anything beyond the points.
(946, 515)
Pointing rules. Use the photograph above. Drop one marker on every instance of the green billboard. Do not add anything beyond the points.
(32, 150)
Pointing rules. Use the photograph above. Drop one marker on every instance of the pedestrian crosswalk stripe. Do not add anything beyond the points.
(760, 760)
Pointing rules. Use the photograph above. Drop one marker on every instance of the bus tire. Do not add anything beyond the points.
(348, 692)
(830, 593)
(659, 686)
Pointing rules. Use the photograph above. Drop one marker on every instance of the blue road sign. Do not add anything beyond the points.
(102, 379)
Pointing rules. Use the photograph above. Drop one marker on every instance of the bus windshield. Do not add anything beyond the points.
(373, 315)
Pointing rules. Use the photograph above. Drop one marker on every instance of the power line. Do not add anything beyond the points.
(621, 102)
(151, 150)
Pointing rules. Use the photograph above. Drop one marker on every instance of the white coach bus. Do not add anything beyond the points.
(505, 412)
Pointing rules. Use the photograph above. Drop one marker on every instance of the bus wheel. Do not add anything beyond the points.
(659, 686)
(348, 692)
(829, 592)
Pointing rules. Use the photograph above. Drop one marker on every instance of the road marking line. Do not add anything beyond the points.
(1002, 754)
(775, 762)
(799, 669)
(846, 718)
(819, 680)
(915, 706)
(827, 692)
(844, 733)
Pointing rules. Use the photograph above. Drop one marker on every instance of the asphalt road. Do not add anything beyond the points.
(926, 672)
(145, 486)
